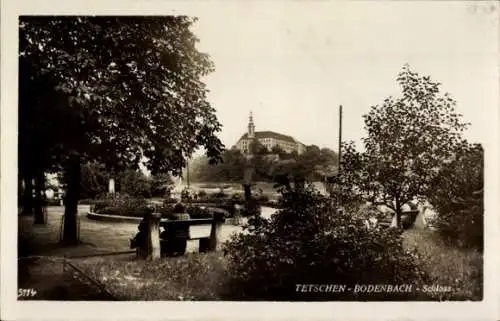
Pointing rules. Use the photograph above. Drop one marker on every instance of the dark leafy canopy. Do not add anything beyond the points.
(458, 198)
(118, 89)
(409, 139)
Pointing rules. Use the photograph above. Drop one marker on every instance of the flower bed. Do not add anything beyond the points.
(224, 201)
(134, 207)
(194, 212)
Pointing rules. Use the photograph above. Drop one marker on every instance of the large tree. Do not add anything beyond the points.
(409, 139)
(122, 89)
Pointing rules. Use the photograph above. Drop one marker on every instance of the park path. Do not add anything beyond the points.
(98, 237)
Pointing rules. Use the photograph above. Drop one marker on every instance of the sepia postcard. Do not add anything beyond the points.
(235, 160)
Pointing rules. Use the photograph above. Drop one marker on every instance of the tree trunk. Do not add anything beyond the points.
(247, 180)
(248, 193)
(398, 213)
(28, 196)
(70, 232)
(20, 191)
(39, 205)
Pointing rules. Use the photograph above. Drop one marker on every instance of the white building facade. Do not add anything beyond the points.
(269, 139)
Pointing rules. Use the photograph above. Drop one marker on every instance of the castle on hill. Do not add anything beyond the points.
(269, 139)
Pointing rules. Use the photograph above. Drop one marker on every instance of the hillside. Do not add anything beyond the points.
(314, 163)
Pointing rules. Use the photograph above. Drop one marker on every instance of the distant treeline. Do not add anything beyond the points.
(314, 164)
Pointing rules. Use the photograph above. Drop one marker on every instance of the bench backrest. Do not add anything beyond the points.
(217, 218)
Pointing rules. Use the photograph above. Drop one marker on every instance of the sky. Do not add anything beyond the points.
(292, 64)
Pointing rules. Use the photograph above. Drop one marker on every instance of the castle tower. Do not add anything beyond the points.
(251, 127)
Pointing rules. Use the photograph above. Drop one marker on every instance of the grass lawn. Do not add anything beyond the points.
(52, 282)
(448, 266)
(190, 277)
(204, 276)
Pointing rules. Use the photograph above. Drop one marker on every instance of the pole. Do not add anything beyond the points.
(187, 178)
(187, 172)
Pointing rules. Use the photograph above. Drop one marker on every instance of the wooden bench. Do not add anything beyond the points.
(173, 240)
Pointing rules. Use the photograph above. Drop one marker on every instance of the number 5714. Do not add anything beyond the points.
(23, 293)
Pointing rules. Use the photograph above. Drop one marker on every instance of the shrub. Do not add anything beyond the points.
(210, 186)
(457, 195)
(125, 203)
(308, 242)
(238, 198)
(253, 208)
(112, 210)
(202, 194)
(216, 198)
(179, 208)
(122, 211)
(166, 210)
(227, 206)
(53, 202)
(169, 200)
(198, 212)
(186, 195)
(177, 216)
(85, 201)
(220, 194)
(461, 222)
(263, 198)
(99, 205)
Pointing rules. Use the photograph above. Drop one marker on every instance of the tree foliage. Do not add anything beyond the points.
(134, 183)
(408, 140)
(128, 87)
(458, 198)
(231, 168)
(161, 185)
(95, 180)
(115, 90)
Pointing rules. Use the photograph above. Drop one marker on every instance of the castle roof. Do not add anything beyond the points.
(271, 134)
